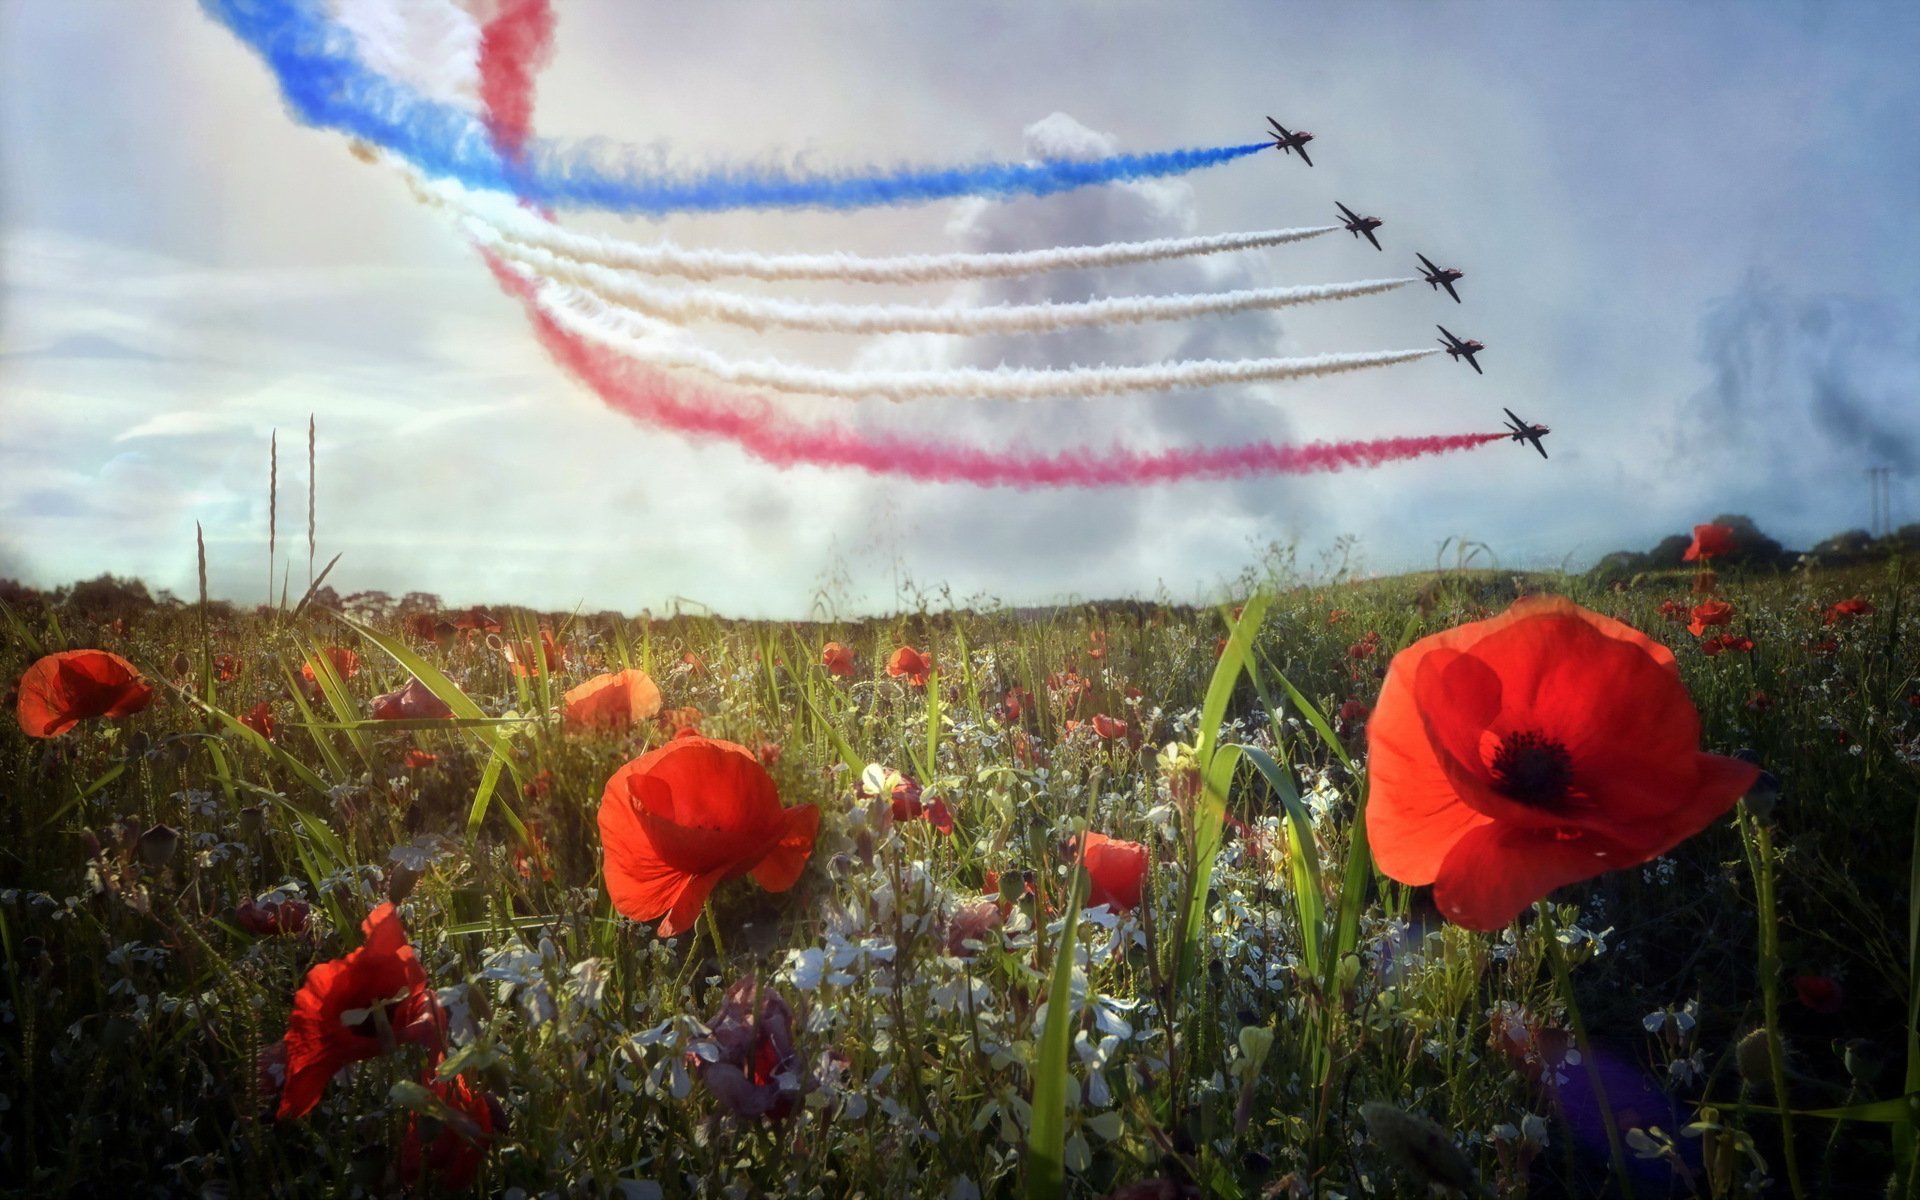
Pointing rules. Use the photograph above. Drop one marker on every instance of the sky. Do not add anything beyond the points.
(1686, 232)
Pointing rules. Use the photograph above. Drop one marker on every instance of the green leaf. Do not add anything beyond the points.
(1303, 855)
(1047, 1138)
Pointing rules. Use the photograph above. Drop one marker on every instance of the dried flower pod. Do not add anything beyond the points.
(1421, 1147)
(158, 845)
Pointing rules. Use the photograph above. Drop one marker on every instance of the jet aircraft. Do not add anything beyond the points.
(1522, 431)
(1290, 141)
(1457, 348)
(1360, 226)
(1441, 277)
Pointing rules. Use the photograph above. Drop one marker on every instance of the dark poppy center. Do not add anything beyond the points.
(1531, 768)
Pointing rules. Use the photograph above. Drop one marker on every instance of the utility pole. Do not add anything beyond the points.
(1880, 495)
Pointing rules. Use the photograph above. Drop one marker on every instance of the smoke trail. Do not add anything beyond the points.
(508, 230)
(326, 84)
(512, 47)
(586, 316)
(761, 313)
(430, 45)
(753, 424)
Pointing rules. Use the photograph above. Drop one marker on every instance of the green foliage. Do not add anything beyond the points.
(1224, 1036)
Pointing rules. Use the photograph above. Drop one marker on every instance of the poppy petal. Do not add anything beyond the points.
(1493, 873)
(782, 866)
(687, 904)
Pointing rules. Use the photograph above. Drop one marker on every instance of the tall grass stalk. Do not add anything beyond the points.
(1557, 960)
(1759, 839)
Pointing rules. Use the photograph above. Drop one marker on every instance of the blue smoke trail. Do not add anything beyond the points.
(326, 85)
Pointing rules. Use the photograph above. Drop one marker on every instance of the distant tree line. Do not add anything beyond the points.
(1754, 549)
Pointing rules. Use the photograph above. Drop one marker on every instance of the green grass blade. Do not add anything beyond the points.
(1303, 857)
(1047, 1139)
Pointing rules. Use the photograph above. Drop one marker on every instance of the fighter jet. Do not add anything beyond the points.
(1358, 225)
(1441, 277)
(1524, 432)
(1290, 141)
(1461, 349)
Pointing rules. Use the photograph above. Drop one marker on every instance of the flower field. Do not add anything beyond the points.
(1344, 890)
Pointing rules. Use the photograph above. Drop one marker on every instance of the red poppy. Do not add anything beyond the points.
(1759, 701)
(474, 621)
(452, 1160)
(748, 1061)
(695, 664)
(1097, 644)
(1016, 702)
(1335, 616)
(358, 1007)
(528, 661)
(681, 818)
(1848, 610)
(1825, 648)
(345, 663)
(1709, 613)
(768, 753)
(1067, 688)
(1368, 644)
(1541, 747)
(261, 721)
(226, 668)
(1709, 541)
(1704, 583)
(1818, 993)
(837, 659)
(1674, 610)
(1118, 870)
(64, 689)
(1110, 728)
(415, 701)
(540, 785)
(273, 917)
(679, 720)
(422, 626)
(911, 663)
(525, 862)
(1715, 645)
(416, 758)
(613, 701)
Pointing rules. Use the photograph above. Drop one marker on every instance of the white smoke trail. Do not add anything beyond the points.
(761, 313)
(638, 337)
(433, 46)
(664, 258)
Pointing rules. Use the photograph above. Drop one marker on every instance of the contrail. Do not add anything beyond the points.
(586, 316)
(507, 230)
(326, 84)
(752, 423)
(761, 313)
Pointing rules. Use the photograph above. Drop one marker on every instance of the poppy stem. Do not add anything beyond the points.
(1550, 929)
(1759, 838)
(713, 931)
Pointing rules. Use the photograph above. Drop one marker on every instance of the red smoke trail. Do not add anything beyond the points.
(751, 422)
(510, 48)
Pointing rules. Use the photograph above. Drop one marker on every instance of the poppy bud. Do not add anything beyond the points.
(1862, 1061)
(1754, 1057)
(139, 743)
(181, 663)
(1762, 796)
(400, 881)
(1423, 1148)
(158, 845)
(253, 821)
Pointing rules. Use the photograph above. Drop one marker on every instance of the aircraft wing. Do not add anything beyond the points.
(1371, 238)
(1281, 129)
(1451, 340)
(1303, 155)
(1448, 284)
(1518, 424)
(1345, 211)
(1538, 446)
(1425, 263)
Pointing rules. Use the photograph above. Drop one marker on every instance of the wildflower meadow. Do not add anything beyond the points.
(1498, 885)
